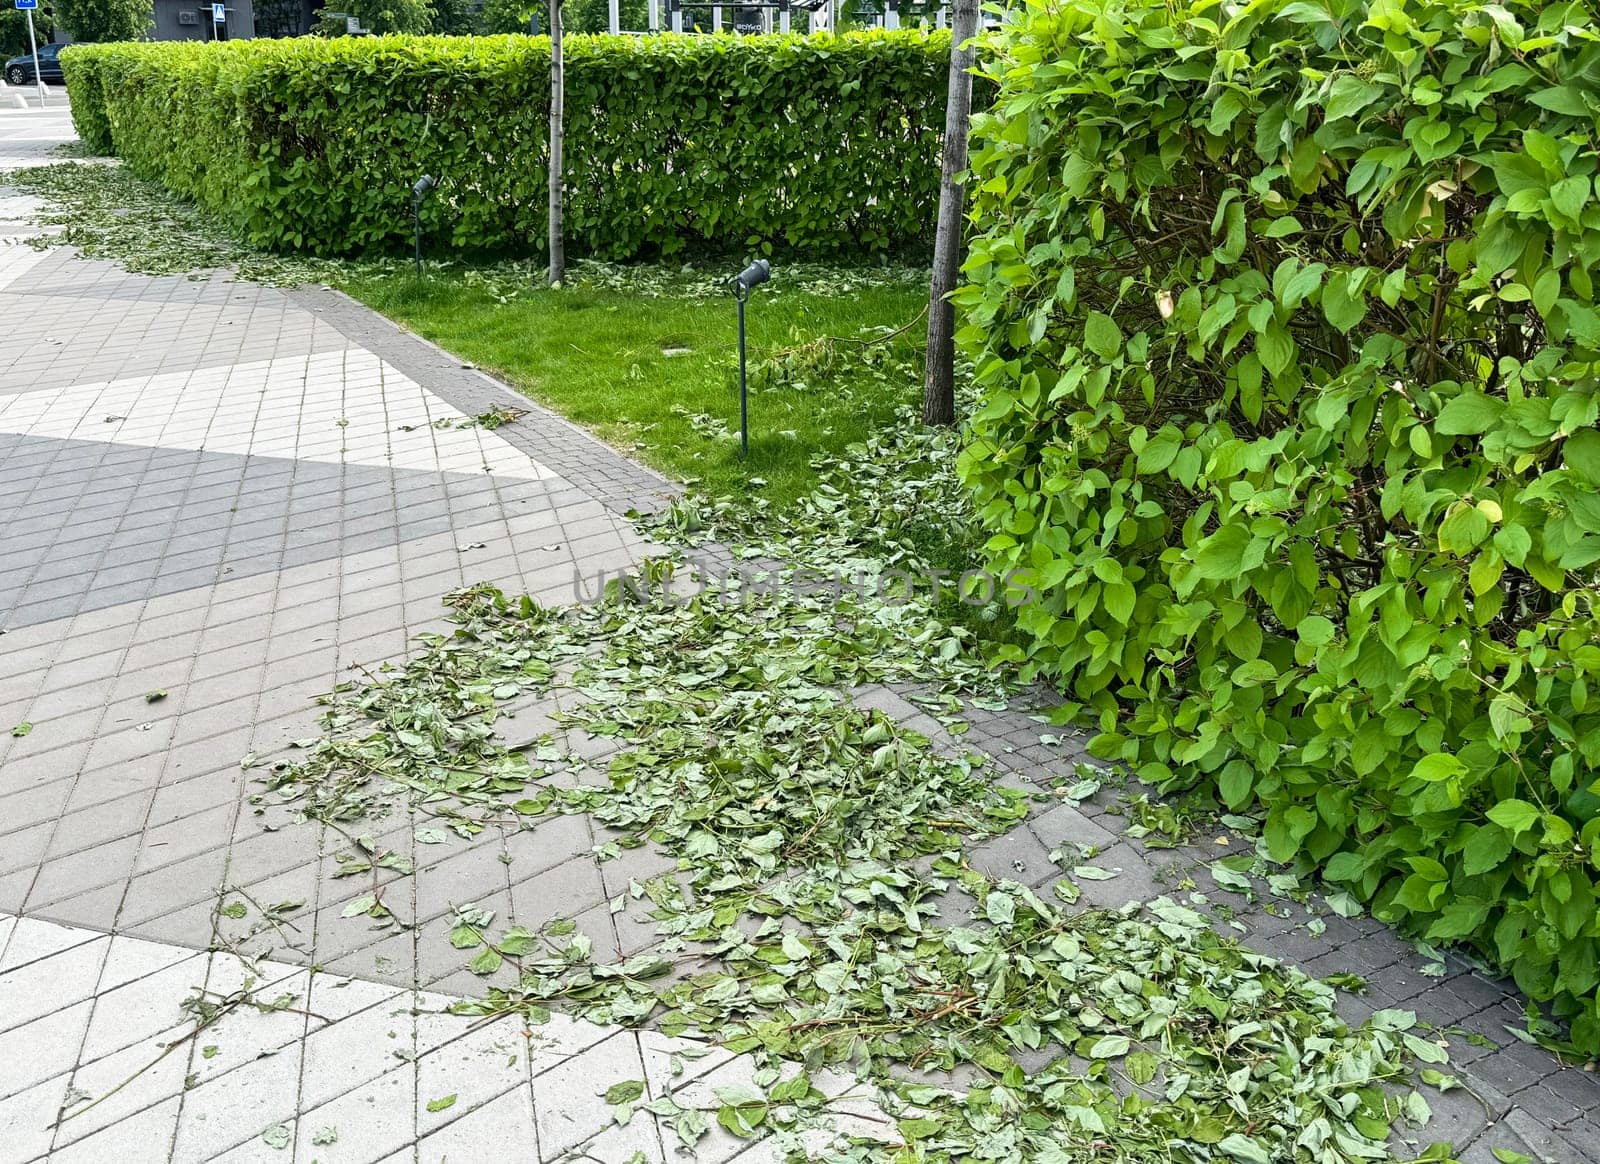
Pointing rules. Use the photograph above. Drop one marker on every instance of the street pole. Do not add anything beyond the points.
(33, 47)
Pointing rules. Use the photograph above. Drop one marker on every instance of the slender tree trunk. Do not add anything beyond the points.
(939, 384)
(558, 254)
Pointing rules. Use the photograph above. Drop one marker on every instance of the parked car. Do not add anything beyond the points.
(19, 70)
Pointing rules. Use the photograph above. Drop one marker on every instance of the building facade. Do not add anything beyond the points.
(191, 20)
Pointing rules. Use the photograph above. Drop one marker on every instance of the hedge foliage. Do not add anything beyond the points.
(822, 145)
(1284, 318)
(82, 66)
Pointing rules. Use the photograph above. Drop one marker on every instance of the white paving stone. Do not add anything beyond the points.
(143, 1138)
(500, 1129)
(16, 261)
(119, 1086)
(43, 1048)
(469, 1072)
(353, 1063)
(342, 407)
(27, 1120)
(569, 1100)
(370, 1121)
(43, 985)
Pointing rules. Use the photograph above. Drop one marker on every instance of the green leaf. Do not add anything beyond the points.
(743, 1120)
(1425, 1049)
(1459, 918)
(1487, 848)
(1349, 95)
(442, 1103)
(1109, 1047)
(1580, 451)
(1570, 196)
(1342, 309)
(628, 1091)
(1470, 413)
(1437, 766)
(1515, 816)
(1101, 335)
(1244, 1149)
(1564, 99)
(1223, 554)
(1276, 349)
(359, 906)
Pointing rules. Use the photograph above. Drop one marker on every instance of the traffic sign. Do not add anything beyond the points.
(27, 4)
(219, 14)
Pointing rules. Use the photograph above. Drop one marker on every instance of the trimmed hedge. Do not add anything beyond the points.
(821, 145)
(81, 65)
(1285, 323)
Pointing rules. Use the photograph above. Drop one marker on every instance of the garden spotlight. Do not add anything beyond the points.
(754, 275)
(419, 191)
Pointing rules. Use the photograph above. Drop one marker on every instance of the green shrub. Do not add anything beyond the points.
(1284, 319)
(594, 16)
(81, 66)
(823, 145)
(14, 30)
(381, 17)
(104, 20)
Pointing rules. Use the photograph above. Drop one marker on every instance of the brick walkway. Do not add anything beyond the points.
(233, 494)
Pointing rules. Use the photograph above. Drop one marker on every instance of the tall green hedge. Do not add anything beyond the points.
(82, 67)
(825, 145)
(1284, 318)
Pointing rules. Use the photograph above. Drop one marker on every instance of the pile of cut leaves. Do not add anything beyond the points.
(823, 916)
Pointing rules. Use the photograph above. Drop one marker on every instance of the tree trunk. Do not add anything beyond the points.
(938, 383)
(558, 255)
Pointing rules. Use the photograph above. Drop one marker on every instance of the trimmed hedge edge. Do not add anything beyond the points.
(1284, 319)
(820, 145)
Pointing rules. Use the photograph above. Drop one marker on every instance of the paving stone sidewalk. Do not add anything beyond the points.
(233, 495)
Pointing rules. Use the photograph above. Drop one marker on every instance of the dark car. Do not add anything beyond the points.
(19, 70)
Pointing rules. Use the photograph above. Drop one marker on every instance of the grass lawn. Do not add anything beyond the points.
(655, 372)
(595, 350)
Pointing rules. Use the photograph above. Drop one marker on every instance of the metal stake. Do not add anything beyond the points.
(754, 275)
(741, 293)
(416, 229)
(419, 191)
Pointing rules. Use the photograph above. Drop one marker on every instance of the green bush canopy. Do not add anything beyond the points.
(821, 145)
(1284, 319)
(103, 20)
(14, 30)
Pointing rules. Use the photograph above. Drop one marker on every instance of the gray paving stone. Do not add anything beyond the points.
(569, 890)
(1065, 825)
(1015, 856)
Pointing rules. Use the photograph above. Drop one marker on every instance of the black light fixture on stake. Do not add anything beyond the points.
(419, 191)
(754, 275)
